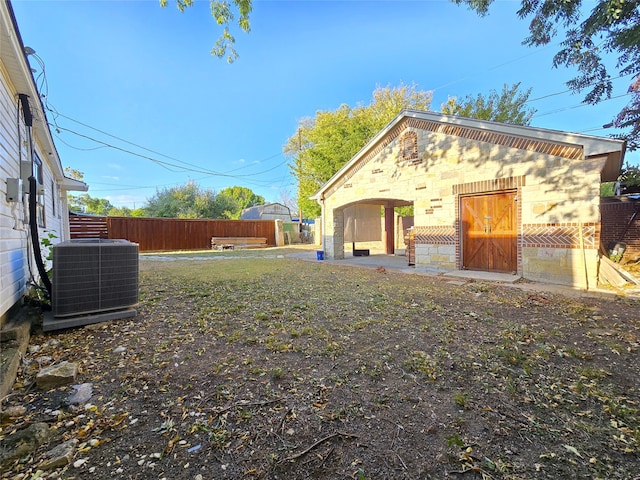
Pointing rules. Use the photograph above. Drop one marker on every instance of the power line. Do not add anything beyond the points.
(169, 165)
(43, 88)
(532, 52)
(578, 106)
(119, 138)
(55, 111)
(266, 183)
(78, 148)
(593, 129)
(538, 98)
(166, 165)
(570, 90)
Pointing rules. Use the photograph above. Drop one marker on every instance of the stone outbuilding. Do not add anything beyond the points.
(486, 196)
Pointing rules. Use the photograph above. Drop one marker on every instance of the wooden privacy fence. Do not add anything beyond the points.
(88, 226)
(167, 234)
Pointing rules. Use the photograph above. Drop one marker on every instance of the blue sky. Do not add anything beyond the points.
(140, 78)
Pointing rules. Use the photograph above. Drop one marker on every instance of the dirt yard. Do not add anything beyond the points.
(276, 368)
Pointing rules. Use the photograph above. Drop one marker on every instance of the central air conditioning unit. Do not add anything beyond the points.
(94, 280)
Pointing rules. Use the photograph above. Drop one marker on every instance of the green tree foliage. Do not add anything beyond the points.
(127, 212)
(509, 106)
(630, 177)
(225, 14)
(406, 211)
(85, 203)
(232, 200)
(73, 173)
(323, 144)
(610, 27)
(187, 201)
(190, 201)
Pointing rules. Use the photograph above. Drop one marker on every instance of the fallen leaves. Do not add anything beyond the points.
(573, 450)
(300, 370)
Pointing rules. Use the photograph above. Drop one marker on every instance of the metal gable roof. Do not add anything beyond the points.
(257, 211)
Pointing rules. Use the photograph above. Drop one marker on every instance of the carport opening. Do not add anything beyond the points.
(377, 228)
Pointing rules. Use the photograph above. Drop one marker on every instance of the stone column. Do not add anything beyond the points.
(279, 233)
(389, 240)
(336, 239)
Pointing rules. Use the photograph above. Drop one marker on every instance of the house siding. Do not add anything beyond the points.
(17, 265)
(13, 232)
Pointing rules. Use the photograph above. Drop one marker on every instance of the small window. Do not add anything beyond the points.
(40, 193)
(409, 146)
(37, 169)
(53, 198)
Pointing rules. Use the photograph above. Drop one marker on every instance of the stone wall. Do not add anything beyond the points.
(557, 195)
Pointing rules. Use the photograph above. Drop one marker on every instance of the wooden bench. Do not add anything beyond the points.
(230, 243)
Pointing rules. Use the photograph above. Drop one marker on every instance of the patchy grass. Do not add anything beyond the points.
(274, 368)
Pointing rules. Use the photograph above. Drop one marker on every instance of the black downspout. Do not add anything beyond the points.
(33, 193)
(26, 109)
(35, 240)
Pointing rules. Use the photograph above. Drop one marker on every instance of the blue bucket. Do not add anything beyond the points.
(320, 254)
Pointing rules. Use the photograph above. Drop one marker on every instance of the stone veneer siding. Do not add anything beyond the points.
(557, 192)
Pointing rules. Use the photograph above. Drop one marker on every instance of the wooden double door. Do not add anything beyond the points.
(489, 232)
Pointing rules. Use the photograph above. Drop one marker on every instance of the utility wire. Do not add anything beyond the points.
(168, 165)
(43, 88)
(563, 109)
(78, 148)
(495, 67)
(186, 166)
(266, 183)
(57, 113)
(570, 90)
(198, 169)
(120, 139)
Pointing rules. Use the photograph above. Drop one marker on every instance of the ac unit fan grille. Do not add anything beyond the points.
(94, 276)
